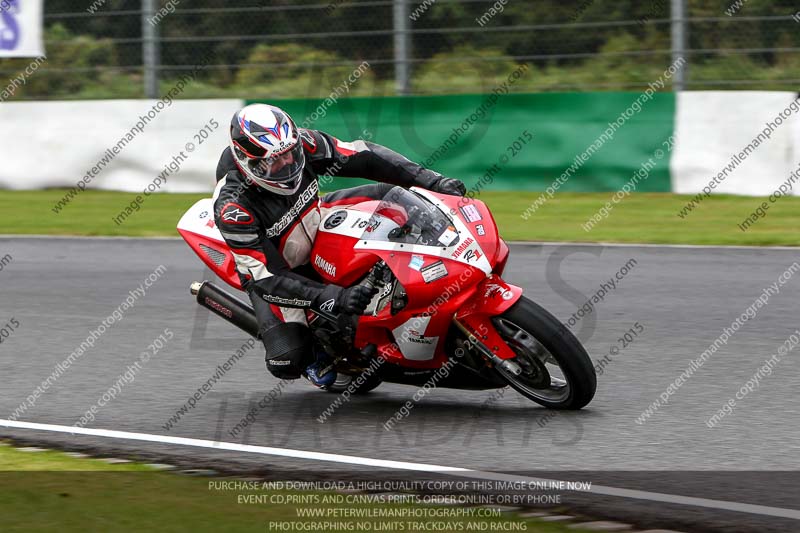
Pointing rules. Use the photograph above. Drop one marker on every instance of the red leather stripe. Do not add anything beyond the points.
(312, 149)
(341, 150)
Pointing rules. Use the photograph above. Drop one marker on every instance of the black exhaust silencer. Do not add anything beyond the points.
(226, 306)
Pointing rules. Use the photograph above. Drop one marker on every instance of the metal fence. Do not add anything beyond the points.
(133, 48)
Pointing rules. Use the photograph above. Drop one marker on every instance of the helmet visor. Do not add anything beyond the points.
(280, 170)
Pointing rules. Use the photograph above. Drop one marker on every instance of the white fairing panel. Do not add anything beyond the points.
(199, 219)
(353, 222)
(411, 339)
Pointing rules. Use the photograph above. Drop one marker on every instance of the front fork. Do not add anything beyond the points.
(492, 297)
(474, 342)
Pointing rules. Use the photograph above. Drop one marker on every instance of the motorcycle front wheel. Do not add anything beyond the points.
(556, 370)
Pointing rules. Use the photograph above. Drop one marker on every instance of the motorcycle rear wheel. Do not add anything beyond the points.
(556, 370)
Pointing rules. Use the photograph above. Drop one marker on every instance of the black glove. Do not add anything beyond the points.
(450, 186)
(352, 300)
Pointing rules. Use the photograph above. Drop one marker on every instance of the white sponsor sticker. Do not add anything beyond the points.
(448, 236)
(433, 272)
(480, 230)
(471, 213)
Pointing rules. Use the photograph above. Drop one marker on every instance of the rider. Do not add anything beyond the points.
(267, 207)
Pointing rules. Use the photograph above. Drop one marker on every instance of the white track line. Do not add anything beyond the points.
(416, 467)
(231, 446)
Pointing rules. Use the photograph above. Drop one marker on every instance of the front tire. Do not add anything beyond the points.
(556, 370)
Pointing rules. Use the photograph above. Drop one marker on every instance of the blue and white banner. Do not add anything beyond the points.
(21, 33)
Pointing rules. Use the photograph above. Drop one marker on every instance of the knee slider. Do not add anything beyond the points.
(288, 349)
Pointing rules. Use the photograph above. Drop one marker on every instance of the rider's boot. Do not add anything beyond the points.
(321, 372)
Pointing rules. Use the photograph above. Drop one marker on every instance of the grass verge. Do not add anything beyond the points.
(639, 218)
(49, 491)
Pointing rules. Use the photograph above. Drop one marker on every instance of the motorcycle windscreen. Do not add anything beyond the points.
(405, 217)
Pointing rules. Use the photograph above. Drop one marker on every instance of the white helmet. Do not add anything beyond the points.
(267, 149)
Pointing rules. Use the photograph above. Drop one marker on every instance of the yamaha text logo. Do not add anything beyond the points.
(327, 267)
(463, 246)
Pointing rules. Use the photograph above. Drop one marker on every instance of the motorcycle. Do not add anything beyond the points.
(442, 313)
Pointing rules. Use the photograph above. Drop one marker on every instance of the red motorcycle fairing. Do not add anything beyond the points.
(438, 284)
(492, 297)
(427, 318)
(333, 254)
(198, 229)
(478, 220)
(470, 297)
(500, 259)
(439, 280)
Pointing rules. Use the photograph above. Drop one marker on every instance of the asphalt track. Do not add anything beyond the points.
(60, 289)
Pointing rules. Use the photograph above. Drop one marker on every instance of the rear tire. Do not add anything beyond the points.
(560, 347)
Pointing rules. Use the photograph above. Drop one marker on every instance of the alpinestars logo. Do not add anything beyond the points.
(299, 206)
(327, 306)
(235, 214)
(289, 302)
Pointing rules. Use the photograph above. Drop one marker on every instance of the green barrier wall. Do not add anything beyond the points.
(563, 125)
